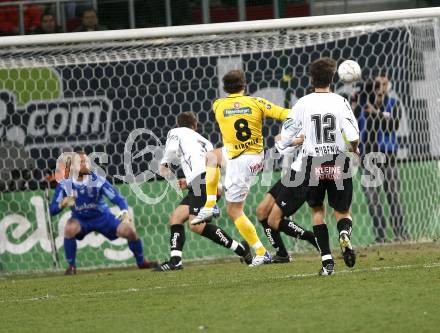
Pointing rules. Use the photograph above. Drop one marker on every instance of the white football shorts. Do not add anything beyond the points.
(241, 173)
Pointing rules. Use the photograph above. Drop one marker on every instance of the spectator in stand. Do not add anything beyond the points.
(9, 19)
(48, 25)
(73, 8)
(90, 21)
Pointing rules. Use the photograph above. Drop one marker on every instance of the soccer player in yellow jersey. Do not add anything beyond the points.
(240, 119)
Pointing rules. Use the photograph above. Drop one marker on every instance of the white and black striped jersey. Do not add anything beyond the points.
(187, 148)
(324, 119)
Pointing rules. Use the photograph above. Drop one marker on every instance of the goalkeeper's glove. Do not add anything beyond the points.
(123, 216)
(67, 202)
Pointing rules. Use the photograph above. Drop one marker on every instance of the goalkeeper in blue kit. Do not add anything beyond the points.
(84, 194)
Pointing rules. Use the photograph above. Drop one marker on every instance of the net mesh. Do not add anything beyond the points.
(99, 96)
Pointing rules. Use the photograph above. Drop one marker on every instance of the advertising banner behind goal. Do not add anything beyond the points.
(25, 242)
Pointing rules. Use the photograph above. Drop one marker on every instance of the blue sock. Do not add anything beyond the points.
(70, 250)
(136, 248)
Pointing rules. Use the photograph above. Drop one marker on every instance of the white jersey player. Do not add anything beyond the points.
(187, 148)
(324, 119)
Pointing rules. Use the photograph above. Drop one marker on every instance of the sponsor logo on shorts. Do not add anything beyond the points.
(328, 172)
(256, 167)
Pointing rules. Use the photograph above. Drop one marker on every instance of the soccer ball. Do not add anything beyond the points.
(349, 71)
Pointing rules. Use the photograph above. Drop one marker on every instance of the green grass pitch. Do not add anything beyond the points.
(393, 288)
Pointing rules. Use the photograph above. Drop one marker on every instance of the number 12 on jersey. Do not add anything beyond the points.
(325, 126)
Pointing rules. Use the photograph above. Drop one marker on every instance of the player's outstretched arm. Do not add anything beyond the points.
(291, 135)
(297, 141)
(113, 195)
(60, 201)
(272, 110)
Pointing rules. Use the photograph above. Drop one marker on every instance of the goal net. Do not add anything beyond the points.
(117, 99)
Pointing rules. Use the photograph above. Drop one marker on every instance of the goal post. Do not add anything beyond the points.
(116, 94)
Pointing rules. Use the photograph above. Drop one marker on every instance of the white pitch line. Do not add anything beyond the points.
(363, 270)
(104, 292)
(184, 285)
(437, 264)
(47, 297)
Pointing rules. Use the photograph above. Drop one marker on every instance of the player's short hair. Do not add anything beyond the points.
(234, 81)
(187, 119)
(322, 72)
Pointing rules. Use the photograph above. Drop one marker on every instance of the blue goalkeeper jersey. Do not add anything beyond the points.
(89, 197)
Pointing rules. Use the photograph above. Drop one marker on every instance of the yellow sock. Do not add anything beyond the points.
(248, 232)
(212, 178)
